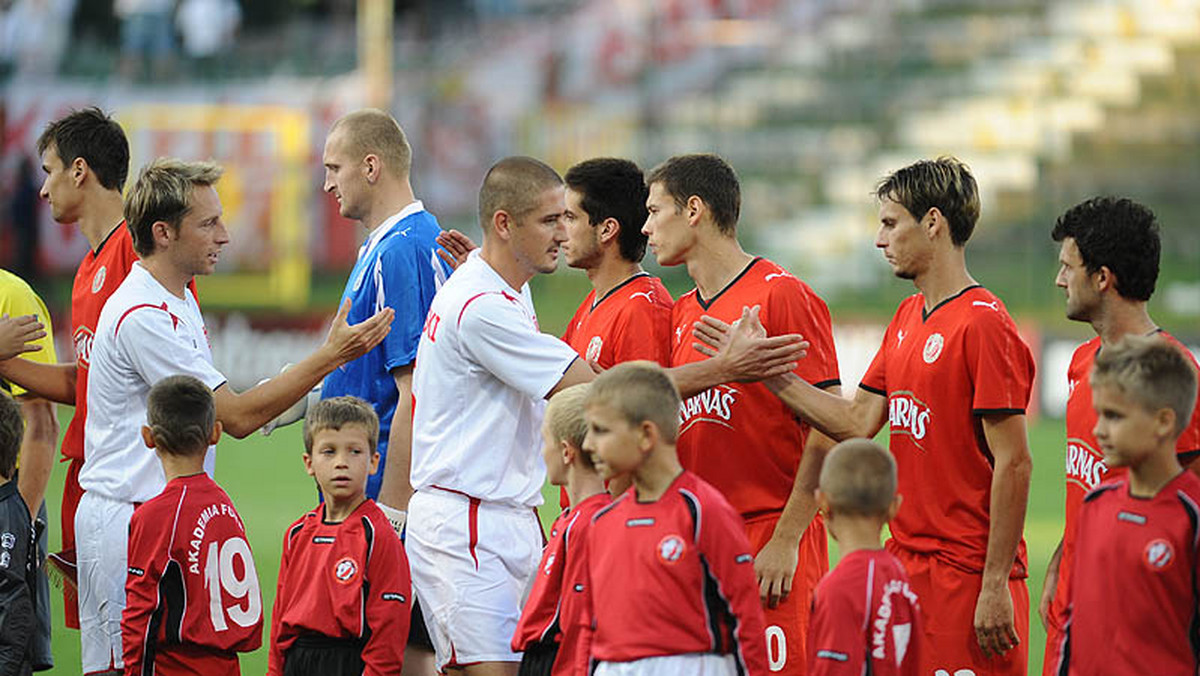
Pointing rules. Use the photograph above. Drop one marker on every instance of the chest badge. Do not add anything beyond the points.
(933, 348)
(98, 279)
(345, 570)
(1159, 555)
(670, 549)
(593, 349)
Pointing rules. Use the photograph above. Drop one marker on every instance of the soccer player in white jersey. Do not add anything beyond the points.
(483, 372)
(151, 328)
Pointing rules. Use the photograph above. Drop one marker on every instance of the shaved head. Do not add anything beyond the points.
(514, 185)
(373, 132)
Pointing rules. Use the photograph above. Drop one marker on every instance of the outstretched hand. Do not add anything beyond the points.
(347, 342)
(747, 353)
(18, 333)
(455, 247)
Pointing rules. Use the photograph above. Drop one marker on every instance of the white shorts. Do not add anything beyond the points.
(698, 664)
(472, 566)
(101, 550)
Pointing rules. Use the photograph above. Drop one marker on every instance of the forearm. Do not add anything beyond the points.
(242, 414)
(1010, 495)
(55, 382)
(801, 505)
(37, 450)
(696, 377)
(395, 489)
(831, 414)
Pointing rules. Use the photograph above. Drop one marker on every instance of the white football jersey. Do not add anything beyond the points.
(483, 372)
(144, 334)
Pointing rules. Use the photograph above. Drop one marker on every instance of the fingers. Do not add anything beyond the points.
(997, 640)
(707, 334)
(449, 259)
(704, 349)
(715, 323)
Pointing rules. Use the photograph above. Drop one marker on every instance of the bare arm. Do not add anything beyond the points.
(742, 354)
(995, 626)
(1050, 586)
(577, 373)
(395, 489)
(37, 449)
(243, 413)
(55, 382)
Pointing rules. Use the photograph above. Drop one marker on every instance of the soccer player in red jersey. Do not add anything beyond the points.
(1134, 606)
(866, 618)
(554, 630)
(952, 378)
(670, 552)
(342, 605)
(739, 436)
(1108, 269)
(192, 594)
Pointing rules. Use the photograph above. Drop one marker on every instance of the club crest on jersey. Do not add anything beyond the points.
(593, 349)
(714, 405)
(671, 548)
(909, 416)
(83, 346)
(345, 570)
(98, 279)
(933, 348)
(1159, 555)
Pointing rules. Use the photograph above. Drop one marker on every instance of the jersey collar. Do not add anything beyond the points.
(390, 224)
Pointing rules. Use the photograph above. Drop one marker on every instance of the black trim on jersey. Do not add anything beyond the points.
(96, 251)
(618, 287)
(1187, 457)
(693, 505)
(1064, 659)
(369, 536)
(1100, 490)
(722, 623)
(826, 384)
(997, 411)
(707, 304)
(1193, 512)
(927, 314)
(872, 390)
(174, 597)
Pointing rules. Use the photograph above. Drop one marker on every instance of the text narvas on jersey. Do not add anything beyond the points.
(1085, 466)
(713, 405)
(909, 416)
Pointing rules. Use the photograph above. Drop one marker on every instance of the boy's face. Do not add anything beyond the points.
(556, 469)
(340, 462)
(1127, 431)
(614, 444)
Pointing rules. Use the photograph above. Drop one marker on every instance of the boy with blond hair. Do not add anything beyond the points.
(553, 632)
(866, 618)
(1137, 537)
(187, 543)
(670, 551)
(343, 601)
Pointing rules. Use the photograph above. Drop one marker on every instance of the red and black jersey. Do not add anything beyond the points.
(673, 577)
(1135, 605)
(346, 580)
(192, 598)
(632, 321)
(553, 612)
(739, 436)
(866, 619)
(1085, 468)
(941, 371)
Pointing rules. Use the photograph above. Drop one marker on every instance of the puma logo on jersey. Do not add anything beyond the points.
(644, 294)
(678, 334)
(1084, 465)
(992, 304)
(909, 416)
(900, 337)
(1071, 383)
(773, 275)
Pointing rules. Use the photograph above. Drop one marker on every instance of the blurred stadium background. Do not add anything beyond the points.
(811, 100)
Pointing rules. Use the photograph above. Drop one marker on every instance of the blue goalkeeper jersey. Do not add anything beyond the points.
(397, 267)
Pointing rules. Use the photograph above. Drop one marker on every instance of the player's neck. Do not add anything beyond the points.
(391, 201)
(582, 484)
(946, 276)
(171, 278)
(611, 273)
(505, 264)
(656, 474)
(855, 533)
(99, 214)
(714, 262)
(1147, 478)
(175, 466)
(1122, 318)
(337, 511)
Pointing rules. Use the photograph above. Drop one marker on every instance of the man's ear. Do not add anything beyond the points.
(694, 209)
(935, 223)
(372, 167)
(1104, 279)
(79, 171)
(162, 232)
(503, 224)
(608, 230)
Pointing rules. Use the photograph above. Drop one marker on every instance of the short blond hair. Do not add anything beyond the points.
(163, 192)
(564, 414)
(639, 391)
(1153, 373)
(371, 131)
(859, 478)
(335, 413)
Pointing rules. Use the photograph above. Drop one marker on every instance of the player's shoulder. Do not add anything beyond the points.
(1105, 491)
(702, 497)
(309, 519)
(1187, 487)
(641, 291)
(1086, 352)
(587, 509)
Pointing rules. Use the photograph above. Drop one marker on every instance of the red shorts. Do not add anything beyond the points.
(787, 623)
(948, 596)
(1054, 632)
(72, 491)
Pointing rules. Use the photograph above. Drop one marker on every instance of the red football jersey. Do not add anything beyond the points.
(941, 371)
(674, 577)
(866, 619)
(1134, 600)
(633, 321)
(549, 613)
(739, 436)
(345, 580)
(1085, 468)
(192, 599)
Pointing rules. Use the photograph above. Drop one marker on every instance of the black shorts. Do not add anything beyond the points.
(538, 659)
(418, 633)
(320, 655)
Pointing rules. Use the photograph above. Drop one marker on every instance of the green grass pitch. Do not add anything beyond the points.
(265, 478)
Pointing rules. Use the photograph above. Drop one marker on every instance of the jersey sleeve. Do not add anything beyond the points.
(141, 591)
(1000, 364)
(496, 331)
(147, 337)
(874, 380)
(389, 605)
(791, 308)
(726, 550)
(644, 333)
(20, 301)
(1188, 443)
(406, 284)
(836, 644)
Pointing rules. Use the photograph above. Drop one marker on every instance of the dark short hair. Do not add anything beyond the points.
(706, 176)
(1119, 234)
(613, 188)
(12, 429)
(97, 138)
(335, 413)
(514, 185)
(945, 183)
(181, 413)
